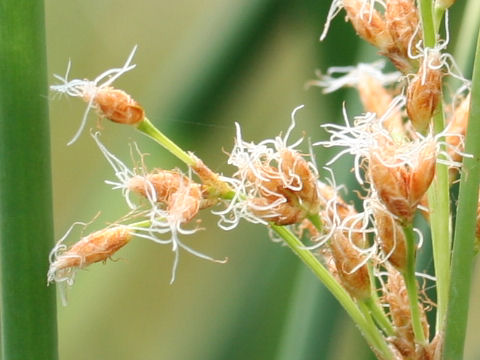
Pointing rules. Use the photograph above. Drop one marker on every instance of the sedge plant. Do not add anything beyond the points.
(413, 141)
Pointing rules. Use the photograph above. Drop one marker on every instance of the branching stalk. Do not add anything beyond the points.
(149, 129)
(379, 316)
(366, 325)
(411, 284)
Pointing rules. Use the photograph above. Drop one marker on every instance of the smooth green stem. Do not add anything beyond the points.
(316, 221)
(379, 316)
(463, 245)
(149, 129)
(438, 16)
(366, 326)
(438, 193)
(428, 26)
(440, 222)
(411, 284)
(28, 319)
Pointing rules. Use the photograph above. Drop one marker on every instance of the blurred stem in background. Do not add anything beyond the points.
(28, 305)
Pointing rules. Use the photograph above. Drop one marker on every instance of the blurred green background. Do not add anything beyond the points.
(201, 67)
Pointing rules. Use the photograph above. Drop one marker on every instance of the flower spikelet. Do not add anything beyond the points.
(424, 90)
(391, 238)
(400, 172)
(371, 84)
(278, 184)
(110, 103)
(351, 266)
(402, 175)
(97, 246)
(397, 298)
(368, 23)
(402, 21)
(173, 200)
(116, 105)
(182, 196)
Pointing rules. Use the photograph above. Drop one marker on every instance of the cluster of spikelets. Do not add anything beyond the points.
(275, 183)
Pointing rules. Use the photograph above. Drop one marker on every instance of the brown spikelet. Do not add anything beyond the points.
(402, 22)
(397, 298)
(368, 23)
(391, 239)
(401, 187)
(182, 196)
(351, 266)
(97, 246)
(275, 202)
(286, 192)
(424, 92)
(376, 99)
(116, 105)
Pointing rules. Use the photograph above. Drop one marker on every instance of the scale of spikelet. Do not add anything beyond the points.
(368, 23)
(350, 265)
(424, 91)
(402, 21)
(391, 239)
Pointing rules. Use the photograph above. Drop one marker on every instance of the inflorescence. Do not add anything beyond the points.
(370, 251)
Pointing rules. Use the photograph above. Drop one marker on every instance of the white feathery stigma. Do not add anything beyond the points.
(352, 75)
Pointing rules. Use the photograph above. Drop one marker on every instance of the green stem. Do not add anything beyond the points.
(366, 311)
(439, 205)
(438, 193)
(28, 321)
(463, 245)
(366, 326)
(316, 221)
(379, 316)
(428, 26)
(411, 284)
(149, 129)
(438, 16)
